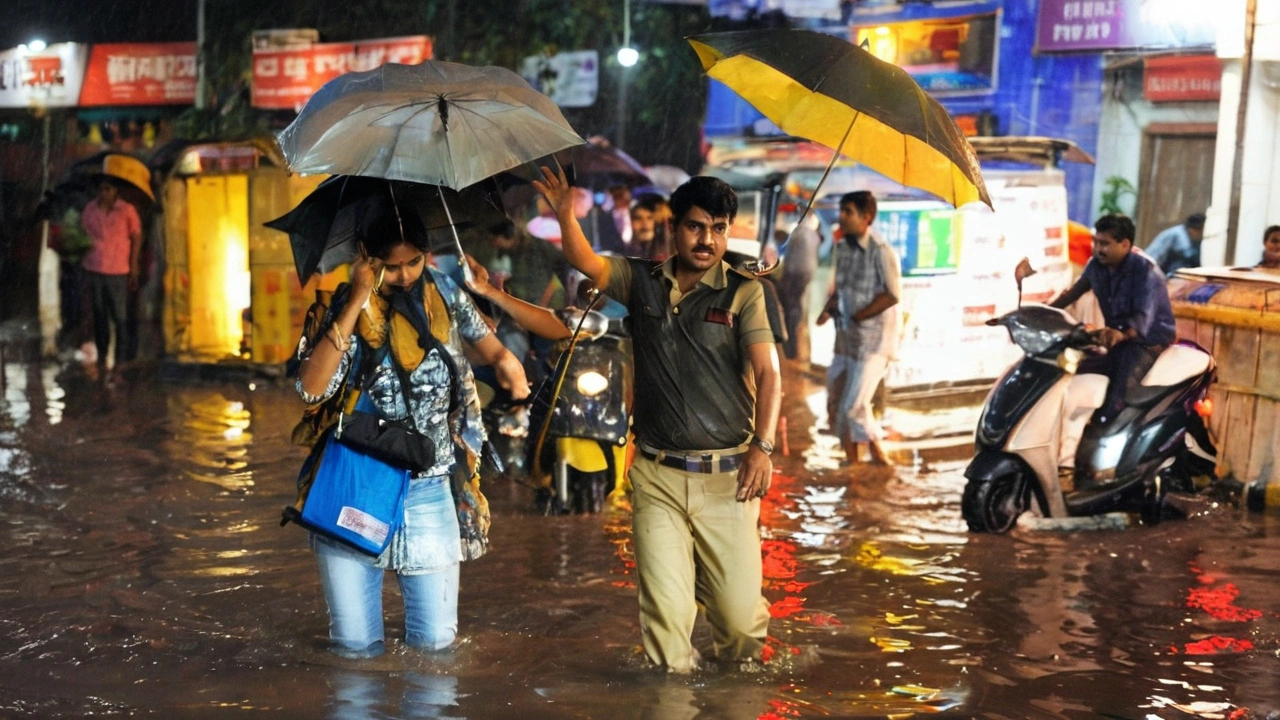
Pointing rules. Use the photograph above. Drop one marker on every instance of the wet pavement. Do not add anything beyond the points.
(145, 575)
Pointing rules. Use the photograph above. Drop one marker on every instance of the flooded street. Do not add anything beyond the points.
(146, 575)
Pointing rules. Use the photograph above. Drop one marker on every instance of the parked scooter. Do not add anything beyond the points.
(1034, 422)
(580, 417)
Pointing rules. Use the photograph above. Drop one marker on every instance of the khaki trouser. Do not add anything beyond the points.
(695, 543)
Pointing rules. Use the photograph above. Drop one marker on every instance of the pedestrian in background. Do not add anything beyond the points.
(1178, 247)
(704, 432)
(1271, 248)
(800, 262)
(863, 301)
(528, 268)
(650, 223)
(111, 271)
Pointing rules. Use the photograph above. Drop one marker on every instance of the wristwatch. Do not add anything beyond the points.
(765, 446)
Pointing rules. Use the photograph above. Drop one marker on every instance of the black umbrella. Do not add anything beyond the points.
(599, 166)
(322, 229)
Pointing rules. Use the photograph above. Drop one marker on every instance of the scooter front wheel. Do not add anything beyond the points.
(994, 505)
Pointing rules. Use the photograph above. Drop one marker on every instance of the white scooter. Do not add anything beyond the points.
(1036, 421)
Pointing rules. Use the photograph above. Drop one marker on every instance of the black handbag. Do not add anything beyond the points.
(393, 442)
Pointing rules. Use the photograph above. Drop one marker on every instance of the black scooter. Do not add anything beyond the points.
(1032, 420)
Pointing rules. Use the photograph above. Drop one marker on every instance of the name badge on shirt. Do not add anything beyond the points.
(720, 316)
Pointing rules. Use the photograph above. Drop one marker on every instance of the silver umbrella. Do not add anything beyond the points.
(437, 123)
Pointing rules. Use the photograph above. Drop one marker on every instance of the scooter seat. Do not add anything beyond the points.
(1177, 363)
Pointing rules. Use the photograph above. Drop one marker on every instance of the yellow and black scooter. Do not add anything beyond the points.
(579, 419)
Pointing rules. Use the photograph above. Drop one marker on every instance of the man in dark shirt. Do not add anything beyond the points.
(1134, 301)
(704, 431)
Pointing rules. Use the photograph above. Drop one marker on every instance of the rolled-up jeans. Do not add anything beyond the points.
(352, 581)
(856, 380)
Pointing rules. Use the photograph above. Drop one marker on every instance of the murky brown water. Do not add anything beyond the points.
(145, 575)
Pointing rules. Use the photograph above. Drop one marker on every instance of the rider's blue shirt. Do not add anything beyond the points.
(1134, 295)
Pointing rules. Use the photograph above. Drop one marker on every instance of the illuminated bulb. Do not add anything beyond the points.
(628, 56)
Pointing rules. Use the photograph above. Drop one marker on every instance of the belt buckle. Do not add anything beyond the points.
(705, 461)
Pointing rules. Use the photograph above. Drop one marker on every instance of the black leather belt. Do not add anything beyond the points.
(697, 462)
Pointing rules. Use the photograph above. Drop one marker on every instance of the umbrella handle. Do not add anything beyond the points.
(759, 269)
(467, 275)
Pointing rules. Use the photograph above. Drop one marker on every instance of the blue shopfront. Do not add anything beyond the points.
(977, 58)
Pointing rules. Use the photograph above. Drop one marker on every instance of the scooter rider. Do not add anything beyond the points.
(1134, 299)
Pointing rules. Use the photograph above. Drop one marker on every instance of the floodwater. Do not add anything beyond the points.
(145, 575)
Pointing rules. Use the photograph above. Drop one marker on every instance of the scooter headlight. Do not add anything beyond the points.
(1070, 359)
(592, 383)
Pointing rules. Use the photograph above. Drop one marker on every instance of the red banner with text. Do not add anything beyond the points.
(1182, 78)
(285, 78)
(140, 74)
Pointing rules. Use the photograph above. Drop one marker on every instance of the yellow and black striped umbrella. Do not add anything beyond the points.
(822, 88)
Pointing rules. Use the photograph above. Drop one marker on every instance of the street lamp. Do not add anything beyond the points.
(37, 45)
(627, 57)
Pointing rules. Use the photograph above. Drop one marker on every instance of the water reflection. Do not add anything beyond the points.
(402, 696)
(17, 402)
(121, 574)
(53, 394)
(212, 435)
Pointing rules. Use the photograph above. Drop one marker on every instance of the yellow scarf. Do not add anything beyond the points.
(374, 327)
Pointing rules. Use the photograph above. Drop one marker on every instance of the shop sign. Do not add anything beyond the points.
(285, 78)
(1182, 79)
(570, 79)
(944, 55)
(140, 74)
(1075, 25)
(49, 78)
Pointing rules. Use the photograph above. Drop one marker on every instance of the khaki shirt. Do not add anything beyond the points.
(694, 387)
(748, 305)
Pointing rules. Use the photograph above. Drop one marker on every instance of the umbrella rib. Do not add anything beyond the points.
(403, 125)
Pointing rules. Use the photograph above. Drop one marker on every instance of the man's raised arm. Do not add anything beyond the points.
(577, 249)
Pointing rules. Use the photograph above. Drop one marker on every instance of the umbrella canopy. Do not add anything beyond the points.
(322, 229)
(824, 89)
(438, 123)
(79, 185)
(599, 166)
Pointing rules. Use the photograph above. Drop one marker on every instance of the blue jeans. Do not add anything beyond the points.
(352, 581)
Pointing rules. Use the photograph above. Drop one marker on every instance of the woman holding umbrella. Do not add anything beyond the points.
(397, 335)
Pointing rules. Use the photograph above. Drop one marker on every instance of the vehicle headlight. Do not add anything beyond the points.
(1070, 359)
(592, 383)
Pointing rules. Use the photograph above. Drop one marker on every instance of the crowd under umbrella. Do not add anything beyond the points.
(822, 88)
(437, 123)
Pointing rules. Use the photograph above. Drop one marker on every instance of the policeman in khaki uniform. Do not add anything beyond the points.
(706, 408)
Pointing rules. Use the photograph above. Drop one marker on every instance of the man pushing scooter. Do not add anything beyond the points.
(1134, 300)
